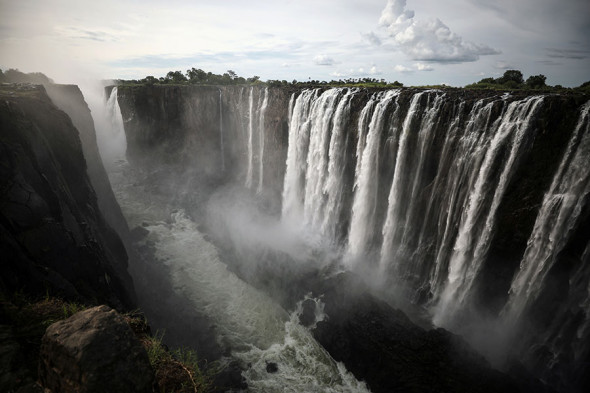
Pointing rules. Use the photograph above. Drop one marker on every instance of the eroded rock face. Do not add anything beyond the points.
(53, 237)
(94, 351)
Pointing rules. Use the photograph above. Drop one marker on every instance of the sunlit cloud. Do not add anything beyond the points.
(428, 40)
(401, 68)
(324, 60)
(423, 67)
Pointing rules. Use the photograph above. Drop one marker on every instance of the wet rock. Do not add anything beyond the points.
(94, 351)
(138, 233)
(307, 316)
(271, 367)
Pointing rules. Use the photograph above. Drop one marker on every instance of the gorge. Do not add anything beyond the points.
(468, 209)
(314, 239)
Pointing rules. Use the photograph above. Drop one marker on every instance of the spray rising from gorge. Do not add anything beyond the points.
(428, 195)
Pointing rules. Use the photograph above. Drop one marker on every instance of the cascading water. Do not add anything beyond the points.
(250, 172)
(299, 125)
(449, 177)
(256, 138)
(557, 218)
(222, 147)
(113, 145)
(477, 224)
(407, 185)
(261, 137)
(315, 161)
(371, 126)
(254, 326)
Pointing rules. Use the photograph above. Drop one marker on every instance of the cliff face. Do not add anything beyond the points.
(69, 99)
(54, 237)
(471, 203)
(210, 133)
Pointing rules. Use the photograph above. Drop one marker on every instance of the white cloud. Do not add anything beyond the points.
(324, 60)
(371, 38)
(401, 68)
(423, 67)
(374, 70)
(428, 40)
(502, 65)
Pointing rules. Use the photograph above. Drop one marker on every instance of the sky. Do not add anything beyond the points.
(416, 42)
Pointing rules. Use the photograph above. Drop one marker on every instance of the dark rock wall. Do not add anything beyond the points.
(54, 238)
(183, 123)
(180, 124)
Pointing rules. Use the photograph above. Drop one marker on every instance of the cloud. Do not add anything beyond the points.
(575, 54)
(502, 65)
(428, 40)
(86, 34)
(371, 38)
(423, 67)
(324, 60)
(401, 68)
(374, 70)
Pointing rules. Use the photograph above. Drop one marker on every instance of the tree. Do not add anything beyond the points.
(149, 80)
(536, 81)
(196, 75)
(511, 75)
(232, 74)
(176, 77)
(487, 80)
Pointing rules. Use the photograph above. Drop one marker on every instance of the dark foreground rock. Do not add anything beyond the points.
(94, 351)
(53, 237)
(382, 346)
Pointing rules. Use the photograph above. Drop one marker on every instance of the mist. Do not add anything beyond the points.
(264, 224)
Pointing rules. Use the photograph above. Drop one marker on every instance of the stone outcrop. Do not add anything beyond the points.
(53, 235)
(381, 345)
(94, 351)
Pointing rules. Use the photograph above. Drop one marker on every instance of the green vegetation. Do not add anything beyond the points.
(193, 76)
(514, 80)
(176, 371)
(15, 76)
(196, 76)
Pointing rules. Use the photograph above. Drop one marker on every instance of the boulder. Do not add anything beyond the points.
(94, 351)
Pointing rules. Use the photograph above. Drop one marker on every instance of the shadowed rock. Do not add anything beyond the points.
(94, 351)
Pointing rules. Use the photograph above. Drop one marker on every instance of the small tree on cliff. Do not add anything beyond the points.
(196, 75)
(536, 81)
(175, 77)
(511, 77)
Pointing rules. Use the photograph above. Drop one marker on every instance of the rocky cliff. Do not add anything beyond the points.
(54, 237)
(449, 197)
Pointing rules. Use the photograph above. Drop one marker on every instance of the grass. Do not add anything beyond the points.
(176, 371)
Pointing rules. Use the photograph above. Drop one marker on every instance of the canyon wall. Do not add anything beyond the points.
(54, 237)
(473, 204)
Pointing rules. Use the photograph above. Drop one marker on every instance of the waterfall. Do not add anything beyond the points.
(299, 125)
(371, 125)
(333, 186)
(393, 222)
(322, 114)
(261, 137)
(558, 216)
(429, 193)
(221, 132)
(475, 230)
(113, 146)
(250, 138)
(316, 159)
